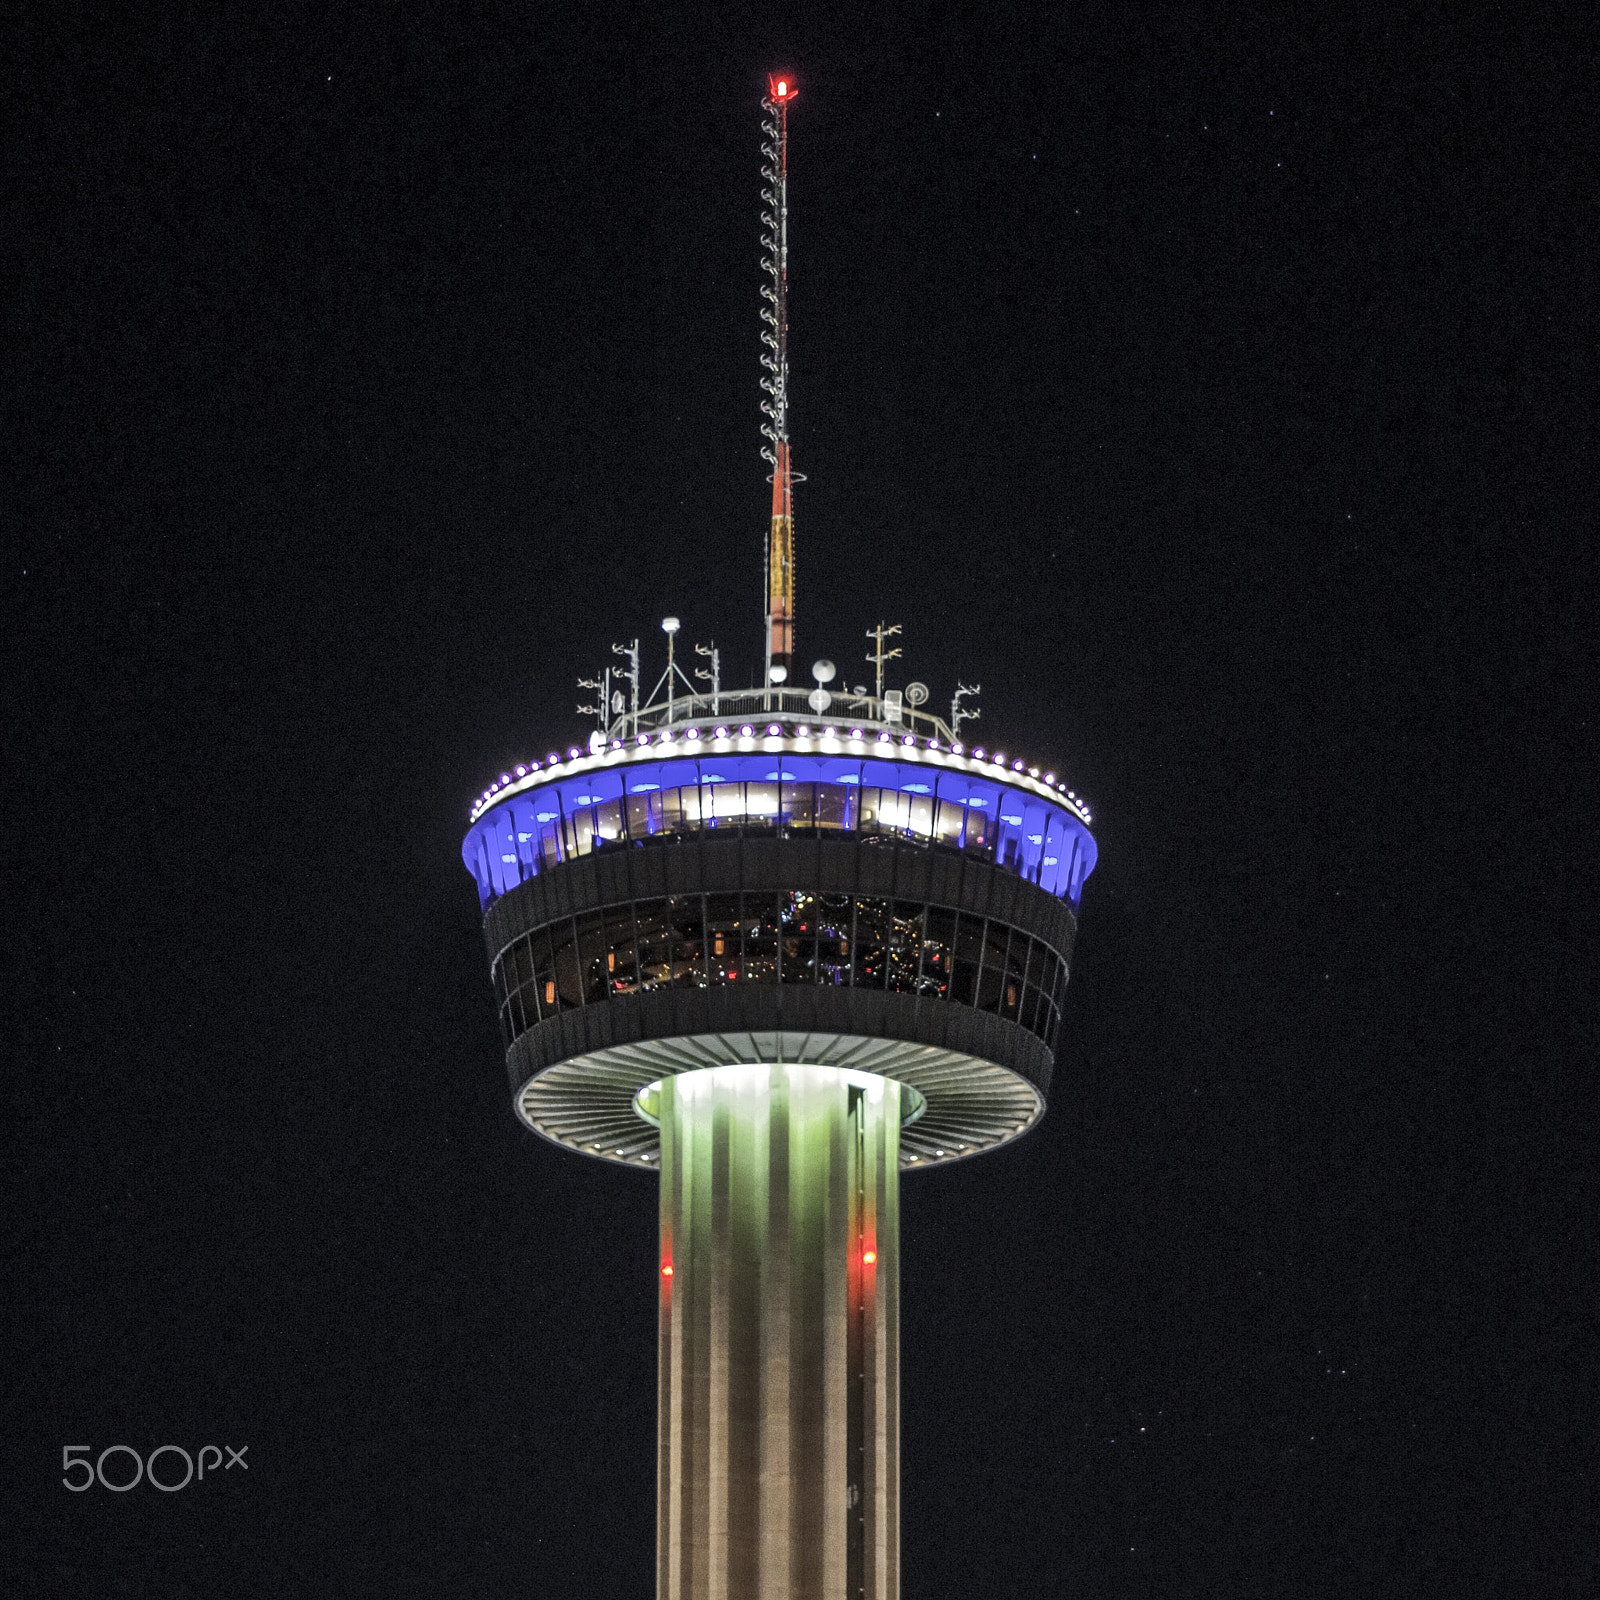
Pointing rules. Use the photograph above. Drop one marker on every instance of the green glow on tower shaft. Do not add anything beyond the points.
(778, 1464)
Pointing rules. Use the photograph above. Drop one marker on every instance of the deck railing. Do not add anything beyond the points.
(785, 705)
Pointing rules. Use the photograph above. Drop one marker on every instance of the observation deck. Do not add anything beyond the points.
(729, 879)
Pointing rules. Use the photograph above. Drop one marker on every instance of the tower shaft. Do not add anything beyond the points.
(778, 1457)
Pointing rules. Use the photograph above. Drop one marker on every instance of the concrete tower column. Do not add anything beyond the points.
(779, 1449)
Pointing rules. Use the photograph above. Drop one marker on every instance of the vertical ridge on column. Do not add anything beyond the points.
(779, 1376)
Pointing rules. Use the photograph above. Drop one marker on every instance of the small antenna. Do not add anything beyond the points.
(631, 652)
(880, 656)
(713, 677)
(957, 715)
(602, 688)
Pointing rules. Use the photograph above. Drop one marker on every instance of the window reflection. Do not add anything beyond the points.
(905, 946)
(1022, 833)
(724, 937)
(799, 912)
(794, 937)
(835, 914)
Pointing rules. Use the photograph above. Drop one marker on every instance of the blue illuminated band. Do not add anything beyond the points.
(542, 824)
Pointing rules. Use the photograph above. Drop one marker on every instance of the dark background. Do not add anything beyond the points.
(1217, 392)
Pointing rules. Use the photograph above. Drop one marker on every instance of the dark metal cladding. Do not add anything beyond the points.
(689, 865)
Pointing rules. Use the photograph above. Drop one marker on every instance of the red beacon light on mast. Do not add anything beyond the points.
(781, 89)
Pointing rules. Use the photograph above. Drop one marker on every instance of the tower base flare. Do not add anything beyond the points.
(778, 1463)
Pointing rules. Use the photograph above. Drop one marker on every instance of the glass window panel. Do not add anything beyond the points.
(870, 802)
(724, 937)
(969, 952)
(894, 810)
(1054, 863)
(991, 980)
(1036, 956)
(621, 958)
(1051, 978)
(655, 945)
(730, 802)
(592, 956)
(799, 912)
(590, 789)
(1030, 1006)
(760, 918)
(568, 986)
(833, 805)
(1016, 976)
(905, 946)
(544, 974)
(761, 802)
(1041, 1018)
(980, 830)
(1009, 838)
(608, 823)
(500, 839)
(948, 820)
(639, 816)
(671, 810)
(686, 914)
(799, 805)
(1058, 995)
(833, 939)
(583, 830)
(920, 817)
(678, 774)
(689, 800)
(872, 933)
(1035, 822)
(938, 950)
(549, 843)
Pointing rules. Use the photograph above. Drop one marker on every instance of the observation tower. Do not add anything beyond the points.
(782, 945)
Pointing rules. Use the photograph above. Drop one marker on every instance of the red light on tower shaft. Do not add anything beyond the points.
(870, 1257)
(666, 1271)
(781, 88)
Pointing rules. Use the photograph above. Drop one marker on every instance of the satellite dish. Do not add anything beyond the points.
(819, 700)
(916, 694)
(823, 671)
(779, 674)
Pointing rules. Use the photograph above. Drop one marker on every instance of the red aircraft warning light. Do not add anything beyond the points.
(782, 89)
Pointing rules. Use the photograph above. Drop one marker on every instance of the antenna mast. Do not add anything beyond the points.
(775, 258)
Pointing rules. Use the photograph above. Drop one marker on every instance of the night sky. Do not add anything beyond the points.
(1218, 393)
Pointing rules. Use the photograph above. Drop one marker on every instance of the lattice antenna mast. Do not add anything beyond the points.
(775, 314)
